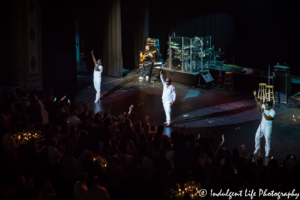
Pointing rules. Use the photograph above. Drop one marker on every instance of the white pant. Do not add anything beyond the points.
(263, 131)
(167, 107)
(97, 85)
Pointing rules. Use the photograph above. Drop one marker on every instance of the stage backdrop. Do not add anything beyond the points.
(253, 32)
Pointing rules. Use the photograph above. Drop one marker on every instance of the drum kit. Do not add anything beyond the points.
(190, 57)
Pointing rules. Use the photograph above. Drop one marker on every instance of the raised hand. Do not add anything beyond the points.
(254, 92)
(223, 139)
(92, 52)
(131, 107)
(161, 72)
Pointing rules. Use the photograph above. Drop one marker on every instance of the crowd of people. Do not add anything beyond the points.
(104, 155)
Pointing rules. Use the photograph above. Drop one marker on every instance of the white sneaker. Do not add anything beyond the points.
(256, 152)
(96, 100)
(140, 78)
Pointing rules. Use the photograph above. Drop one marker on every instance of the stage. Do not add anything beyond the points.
(208, 112)
(241, 81)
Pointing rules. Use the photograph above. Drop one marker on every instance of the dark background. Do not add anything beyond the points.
(254, 32)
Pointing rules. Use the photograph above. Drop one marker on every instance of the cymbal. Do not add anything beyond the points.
(186, 47)
(174, 47)
(173, 43)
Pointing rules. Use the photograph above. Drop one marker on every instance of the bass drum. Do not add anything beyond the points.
(176, 63)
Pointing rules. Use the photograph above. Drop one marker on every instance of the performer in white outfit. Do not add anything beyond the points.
(265, 127)
(97, 77)
(168, 97)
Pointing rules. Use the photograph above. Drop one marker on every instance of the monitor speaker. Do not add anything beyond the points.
(282, 87)
(207, 77)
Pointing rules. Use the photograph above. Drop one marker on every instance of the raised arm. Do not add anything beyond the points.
(94, 59)
(162, 78)
(129, 112)
(257, 101)
(41, 104)
(217, 151)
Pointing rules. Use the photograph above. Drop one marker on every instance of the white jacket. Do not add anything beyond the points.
(97, 74)
(169, 92)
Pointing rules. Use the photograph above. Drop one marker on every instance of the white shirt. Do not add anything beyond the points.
(169, 92)
(264, 122)
(97, 74)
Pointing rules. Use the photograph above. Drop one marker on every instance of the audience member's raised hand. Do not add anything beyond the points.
(223, 139)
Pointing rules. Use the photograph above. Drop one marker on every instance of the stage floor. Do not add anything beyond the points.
(208, 112)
